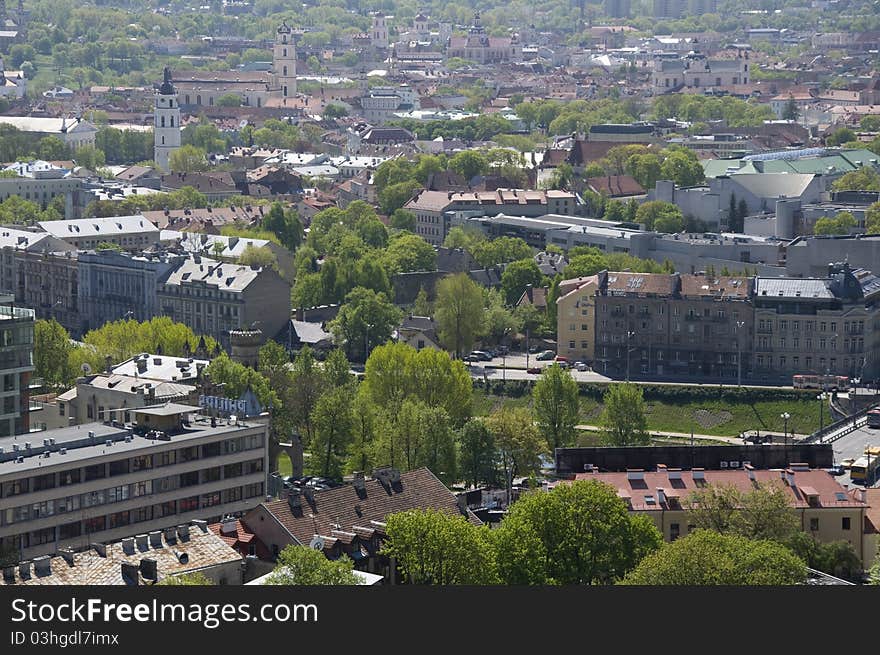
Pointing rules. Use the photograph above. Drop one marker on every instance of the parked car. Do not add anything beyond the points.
(534, 349)
(502, 350)
(534, 369)
(482, 355)
(561, 358)
(581, 366)
(837, 469)
(546, 356)
(471, 358)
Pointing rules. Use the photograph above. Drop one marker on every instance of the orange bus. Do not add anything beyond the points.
(823, 382)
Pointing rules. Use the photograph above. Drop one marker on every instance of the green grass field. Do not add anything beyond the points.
(715, 418)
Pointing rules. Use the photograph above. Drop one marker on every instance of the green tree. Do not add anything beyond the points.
(237, 378)
(839, 136)
(121, 340)
(840, 224)
(332, 421)
(434, 547)
(261, 257)
(363, 433)
(52, 348)
(872, 218)
(683, 168)
(764, 512)
(301, 565)
(194, 579)
(229, 100)
(308, 382)
(286, 225)
(334, 111)
(709, 558)
(623, 417)
(518, 443)
(395, 196)
(422, 306)
(863, 179)
(578, 533)
(555, 399)
(459, 313)
(477, 461)
(365, 319)
(188, 159)
(469, 164)
(666, 213)
(403, 219)
(517, 276)
(407, 252)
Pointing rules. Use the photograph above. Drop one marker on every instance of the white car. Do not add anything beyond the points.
(581, 366)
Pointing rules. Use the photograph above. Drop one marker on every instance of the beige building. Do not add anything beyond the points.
(134, 233)
(100, 482)
(825, 509)
(576, 318)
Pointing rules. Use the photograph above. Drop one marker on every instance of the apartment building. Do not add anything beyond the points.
(102, 482)
(44, 280)
(663, 325)
(214, 297)
(822, 325)
(695, 70)
(825, 509)
(438, 211)
(133, 233)
(16, 366)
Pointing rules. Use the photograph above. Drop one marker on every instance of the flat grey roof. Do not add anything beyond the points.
(80, 449)
(778, 287)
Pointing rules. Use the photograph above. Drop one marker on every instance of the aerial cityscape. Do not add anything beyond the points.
(409, 292)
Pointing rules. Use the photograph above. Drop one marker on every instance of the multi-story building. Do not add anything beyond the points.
(214, 298)
(825, 510)
(439, 211)
(114, 285)
(817, 325)
(659, 325)
(695, 70)
(42, 187)
(134, 233)
(103, 482)
(482, 48)
(617, 8)
(16, 366)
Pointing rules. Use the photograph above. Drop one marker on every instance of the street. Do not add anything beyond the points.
(852, 446)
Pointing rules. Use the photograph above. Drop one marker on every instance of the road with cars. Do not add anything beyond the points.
(852, 446)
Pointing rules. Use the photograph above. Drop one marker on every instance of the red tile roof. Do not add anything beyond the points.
(242, 539)
(681, 484)
(343, 507)
(615, 186)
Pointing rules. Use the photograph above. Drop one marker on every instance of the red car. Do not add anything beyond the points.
(534, 369)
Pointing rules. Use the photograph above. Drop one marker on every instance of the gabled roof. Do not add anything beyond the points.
(344, 507)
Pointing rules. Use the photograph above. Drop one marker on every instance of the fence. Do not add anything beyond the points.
(840, 428)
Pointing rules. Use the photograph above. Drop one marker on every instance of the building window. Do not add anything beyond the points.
(845, 523)
(814, 524)
(674, 531)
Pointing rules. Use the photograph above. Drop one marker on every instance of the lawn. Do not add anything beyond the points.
(717, 418)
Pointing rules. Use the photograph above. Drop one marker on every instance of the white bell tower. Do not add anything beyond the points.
(166, 128)
(284, 61)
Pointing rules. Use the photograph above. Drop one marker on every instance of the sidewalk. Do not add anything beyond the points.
(684, 435)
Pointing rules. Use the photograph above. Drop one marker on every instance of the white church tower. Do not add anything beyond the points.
(284, 61)
(166, 130)
(379, 32)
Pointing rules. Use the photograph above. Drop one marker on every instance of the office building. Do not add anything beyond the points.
(103, 482)
(16, 366)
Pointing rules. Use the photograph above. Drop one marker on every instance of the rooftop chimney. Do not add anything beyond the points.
(227, 525)
(309, 493)
(156, 539)
(128, 545)
(170, 535)
(67, 554)
(24, 569)
(461, 501)
(148, 569)
(130, 573)
(293, 499)
(360, 484)
(43, 565)
(183, 532)
(141, 541)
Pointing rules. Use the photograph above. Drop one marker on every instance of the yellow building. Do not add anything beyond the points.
(826, 510)
(576, 314)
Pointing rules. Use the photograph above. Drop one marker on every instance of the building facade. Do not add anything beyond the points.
(98, 482)
(284, 61)
(16, 366)
(166, 128)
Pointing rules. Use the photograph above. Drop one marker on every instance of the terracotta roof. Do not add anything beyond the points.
(715, 287)
(872, 514)
(678, 485)
(242, 539)
(585, 152)
(615, 186)
(641, 284)
(343, 507)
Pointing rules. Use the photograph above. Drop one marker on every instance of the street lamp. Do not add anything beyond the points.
(629, 335)
(821, 398)
(785, 416)
(504, 356)
(739, 324)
